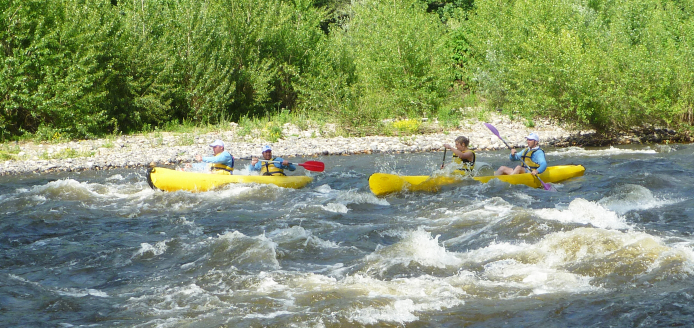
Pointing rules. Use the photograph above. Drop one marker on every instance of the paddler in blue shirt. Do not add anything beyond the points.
(464, 157)
(270, 165)
(532, 158)
(221, 162)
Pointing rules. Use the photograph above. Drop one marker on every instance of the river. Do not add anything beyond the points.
(102, 249)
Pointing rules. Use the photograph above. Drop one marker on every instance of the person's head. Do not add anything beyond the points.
(267, 152)
(533, 140)
(217, 146)
(463, 141)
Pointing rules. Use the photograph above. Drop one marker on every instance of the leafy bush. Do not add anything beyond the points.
(389, 60)
(609, 65)
(85, 68)
(408, 126)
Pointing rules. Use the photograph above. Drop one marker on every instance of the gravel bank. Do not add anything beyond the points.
(170, 149)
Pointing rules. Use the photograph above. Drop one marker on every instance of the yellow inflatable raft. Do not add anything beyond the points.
(383, 183)
(172, 180)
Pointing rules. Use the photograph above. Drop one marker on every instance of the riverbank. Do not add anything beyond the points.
(171, 149)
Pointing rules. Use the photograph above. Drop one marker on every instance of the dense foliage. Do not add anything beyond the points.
(609, 64)
(84, 68)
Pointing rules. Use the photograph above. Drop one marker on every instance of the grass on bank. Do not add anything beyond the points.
(269, 129)
(9, 151)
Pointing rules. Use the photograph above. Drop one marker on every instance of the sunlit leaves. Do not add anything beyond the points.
(609, 65)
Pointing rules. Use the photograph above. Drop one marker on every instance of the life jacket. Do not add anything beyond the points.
(219, 168)
(465, 165)
(526, 160)
(269, 168)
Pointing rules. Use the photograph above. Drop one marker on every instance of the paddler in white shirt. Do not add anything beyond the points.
(464, 157)
(532, 159)
(221, 162)
(270, 165)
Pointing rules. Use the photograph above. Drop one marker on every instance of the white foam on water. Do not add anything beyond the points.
(515, 278)
(181, 201)
(569, 261)
(235, 248)
(289, 235)
(115, 177)
(75, 292)
(267, 283)
(65, 189)
(612, 151)
(337, 201)
(416, 246)
(628, 197)
(596, 251)
(267, 315)
(564, 262)
(582, 211)
(230, 191)
(400, 300)
(171, 300)
(401, 311)
(125, 199)
(367, 300)
(486, 211)
(72, 292)
(147, 250)
(299, 234)
(335, 208)
(323, 189)
(348, 197)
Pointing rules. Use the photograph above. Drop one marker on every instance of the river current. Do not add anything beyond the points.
(614, 248)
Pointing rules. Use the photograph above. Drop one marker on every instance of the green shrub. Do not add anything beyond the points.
(609, 65)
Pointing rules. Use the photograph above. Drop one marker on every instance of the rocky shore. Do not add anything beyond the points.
(171, 149)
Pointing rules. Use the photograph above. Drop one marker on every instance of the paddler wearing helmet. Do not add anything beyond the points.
(532, 159)
(270, 165)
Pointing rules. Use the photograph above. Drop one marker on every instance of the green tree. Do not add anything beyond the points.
(609, 65)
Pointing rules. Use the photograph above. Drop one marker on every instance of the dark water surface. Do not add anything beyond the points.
(611, 249)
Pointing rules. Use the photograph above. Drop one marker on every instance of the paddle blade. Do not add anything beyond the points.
(493, 129)
(547, 186)
(314, 166)
(496, 132)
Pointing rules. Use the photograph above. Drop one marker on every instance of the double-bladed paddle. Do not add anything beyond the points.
(545, 186)
(314, 166)
(496, 132)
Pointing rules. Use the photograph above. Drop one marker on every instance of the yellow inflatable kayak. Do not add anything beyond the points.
(383, 183)
(172, 180)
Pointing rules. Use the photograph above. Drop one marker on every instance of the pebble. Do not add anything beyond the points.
(142, 151)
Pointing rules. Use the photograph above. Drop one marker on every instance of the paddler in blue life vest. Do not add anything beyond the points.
(532, 159)
(221, 162)
(270, 165)
(462, 156)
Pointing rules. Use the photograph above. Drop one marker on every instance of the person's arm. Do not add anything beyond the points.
(540, 159)
(255, 167)
(514, 155)
(222, 157)
(281, 165)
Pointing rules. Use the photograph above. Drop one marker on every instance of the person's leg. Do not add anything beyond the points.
(518, 170)
(504, 170)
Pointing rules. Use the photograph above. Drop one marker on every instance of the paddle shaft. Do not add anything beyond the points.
(545, 186)
(496, 132)
(444, 157)
(314, 166)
